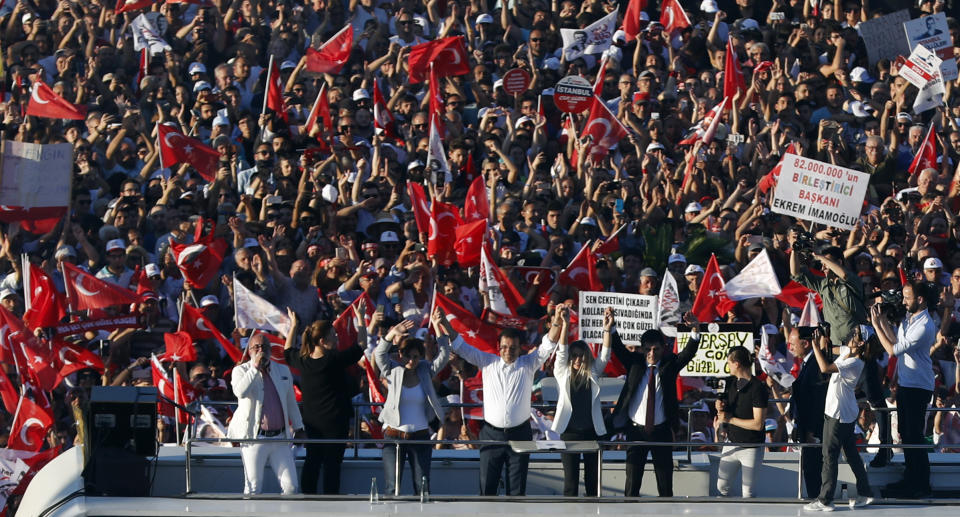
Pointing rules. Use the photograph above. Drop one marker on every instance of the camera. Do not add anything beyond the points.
(804, 245)
(891, 304)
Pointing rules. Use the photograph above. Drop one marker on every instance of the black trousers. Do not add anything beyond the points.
(327, 456)
(571, 465)
(637, 459)
(811, 458)
(911, 420)
(494, 457)
(838, 437)
(873, 388)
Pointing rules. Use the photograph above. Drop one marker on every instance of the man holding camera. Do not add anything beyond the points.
(911, 343)
(840, 290)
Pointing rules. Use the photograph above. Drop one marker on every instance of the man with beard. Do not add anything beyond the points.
(263, 158)
(911, 343)
(294, 290)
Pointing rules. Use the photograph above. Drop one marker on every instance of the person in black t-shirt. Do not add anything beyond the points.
(327, 389)
(743, 409)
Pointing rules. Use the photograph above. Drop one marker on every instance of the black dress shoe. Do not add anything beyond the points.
(882, 459)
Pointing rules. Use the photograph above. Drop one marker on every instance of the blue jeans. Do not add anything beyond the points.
(418, 456)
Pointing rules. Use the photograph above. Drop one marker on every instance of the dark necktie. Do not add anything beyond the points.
(651, 400)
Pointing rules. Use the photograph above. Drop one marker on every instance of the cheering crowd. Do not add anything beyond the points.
(305, 206)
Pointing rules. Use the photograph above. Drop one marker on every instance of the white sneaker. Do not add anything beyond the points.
(817, 506)
(861, 502)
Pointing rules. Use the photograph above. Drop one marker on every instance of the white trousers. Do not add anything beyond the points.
(732, 460)
(280, 456)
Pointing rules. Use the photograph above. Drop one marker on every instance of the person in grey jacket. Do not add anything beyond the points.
(578, 414)
(412, 402)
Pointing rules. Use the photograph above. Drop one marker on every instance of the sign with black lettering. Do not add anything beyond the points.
(711, 357)
(819, 192)
(635, 314)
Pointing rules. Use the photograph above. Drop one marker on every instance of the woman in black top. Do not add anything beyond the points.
(743, 409)
(327, 389)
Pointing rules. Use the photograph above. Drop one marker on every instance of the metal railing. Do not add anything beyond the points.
(601, 446)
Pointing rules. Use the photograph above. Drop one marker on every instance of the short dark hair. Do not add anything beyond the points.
(652, 337)
(739, 355)
(510, 334)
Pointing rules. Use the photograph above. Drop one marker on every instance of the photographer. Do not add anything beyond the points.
(840, 290)
(911, 343)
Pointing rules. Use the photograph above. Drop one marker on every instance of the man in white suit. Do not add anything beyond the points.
(267, 408)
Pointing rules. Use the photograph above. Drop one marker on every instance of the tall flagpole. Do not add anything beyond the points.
(266, 90)
(176, 399)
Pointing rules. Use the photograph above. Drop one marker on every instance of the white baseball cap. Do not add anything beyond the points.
(201, 85)
(932, 263)
(4, 293)
(693, 206)
(484, 18)
(209, 300)
(116, 244)
(196, 68)
(65, 251)
(693, 269)
(360, 94)
(151, 270)
(389, 236)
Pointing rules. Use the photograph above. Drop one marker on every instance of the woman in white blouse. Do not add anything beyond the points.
(412, 402)
(578, 414)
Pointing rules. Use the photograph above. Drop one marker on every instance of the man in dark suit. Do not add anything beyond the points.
(808, 395)
(647, 409)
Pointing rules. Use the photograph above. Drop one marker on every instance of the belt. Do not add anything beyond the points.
(506, 429)
(269, 434)
(423, 434)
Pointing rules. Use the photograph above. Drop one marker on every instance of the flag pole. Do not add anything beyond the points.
(176, 399)
(25, 275)
(180, 312)
(266, 89)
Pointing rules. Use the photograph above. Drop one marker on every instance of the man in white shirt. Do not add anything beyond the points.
(507, 384)
(911, 344)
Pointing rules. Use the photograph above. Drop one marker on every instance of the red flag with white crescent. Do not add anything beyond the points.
(28, 432)
(47, 104)
(85, 291)
(333, 54)
(175, 147)
(195, 323)
(448, 55)
(926, 157)
(603, 128)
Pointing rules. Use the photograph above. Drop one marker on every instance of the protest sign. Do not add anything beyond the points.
(592, 39)
(921, 67)
(932, 32)
(635, 314)
(881, 36)
(819, 192)
(931, 95)
(34, 175)
(711, 357)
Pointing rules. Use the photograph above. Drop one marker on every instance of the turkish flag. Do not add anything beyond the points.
(794, 294)
(468, 242)
(582, 272)
(529, 275)
(715, 121)
(611, 245)
(769, 180)
(198, 326)
(603, 128)
(175, 147)
(477, 205)
(181, 392)
(274, 91)
(321, 112)
(28, 432)
(421, 210)
(436, 106)
(598, 82)
(85, 291)
(34, 360)
(382, 117)
(345, 325)
(711, 301)
(473, 330)
(444, 220)
(199, 262)
(471, 392)
(672, 16)
(47, 305)
(333, 54)
(448, 56)
(470, 171)
(733, 80)
(179, 347)
(47, 104)
(132, 5)
(926, 157)
(376, 394)
(632, 24)
(72, 358)
(36, 220)
(8, 394)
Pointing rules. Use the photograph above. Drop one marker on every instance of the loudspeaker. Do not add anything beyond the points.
(123, 417)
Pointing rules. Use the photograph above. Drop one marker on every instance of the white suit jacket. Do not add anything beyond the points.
(247, 383)
(561, 370)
